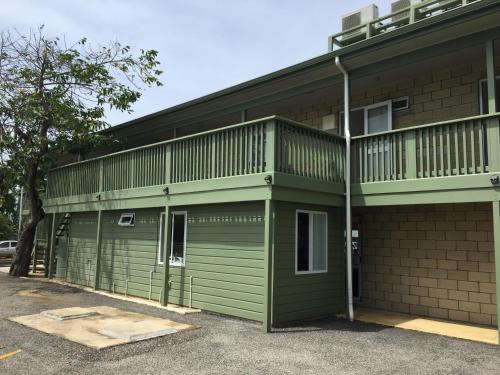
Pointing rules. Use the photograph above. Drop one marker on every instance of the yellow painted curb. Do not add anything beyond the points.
(7, 355)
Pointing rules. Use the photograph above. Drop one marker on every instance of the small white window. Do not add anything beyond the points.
(127, 220)
(311, 242)
(178, 240)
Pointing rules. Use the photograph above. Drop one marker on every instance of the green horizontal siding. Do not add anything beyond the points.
(81, 249)
(224, 255)
(306, 296)
(130, 254)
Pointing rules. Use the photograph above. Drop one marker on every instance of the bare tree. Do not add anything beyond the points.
(52, 100)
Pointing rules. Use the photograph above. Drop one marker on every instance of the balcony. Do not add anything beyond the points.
(442, 161)
(253, 154)
(418, 164)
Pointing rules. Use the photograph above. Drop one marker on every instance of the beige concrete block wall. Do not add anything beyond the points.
(431, 260)
(441, 95)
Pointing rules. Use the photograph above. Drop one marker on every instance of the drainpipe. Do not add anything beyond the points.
(348, 219)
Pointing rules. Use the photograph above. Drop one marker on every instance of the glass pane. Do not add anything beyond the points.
(178, 223)
(319, 242)
(302, 241)
(4, 245)
(378, 119)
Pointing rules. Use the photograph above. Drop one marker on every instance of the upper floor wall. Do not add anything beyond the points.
(438, 94)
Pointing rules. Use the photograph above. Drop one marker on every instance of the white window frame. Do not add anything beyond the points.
(161, 239)
(125, 214)
(388, 104)
(176, 264)
(311, 252)
(481, 94)
(365, 114)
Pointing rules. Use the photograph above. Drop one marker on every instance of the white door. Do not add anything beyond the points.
(378, 118)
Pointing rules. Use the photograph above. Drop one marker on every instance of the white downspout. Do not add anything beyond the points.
(348, 220)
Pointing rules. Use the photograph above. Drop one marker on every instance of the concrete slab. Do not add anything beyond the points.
(107, 326)
(68, 313)
(428, 325)
(137, 331)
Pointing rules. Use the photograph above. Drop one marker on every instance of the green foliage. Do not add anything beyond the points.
(53, 98)
(7, 228)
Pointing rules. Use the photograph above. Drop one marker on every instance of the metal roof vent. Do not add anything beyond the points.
(359, 17)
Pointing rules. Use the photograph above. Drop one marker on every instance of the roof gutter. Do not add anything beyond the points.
(348, 218)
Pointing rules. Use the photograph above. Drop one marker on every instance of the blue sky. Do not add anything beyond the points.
(204, 45)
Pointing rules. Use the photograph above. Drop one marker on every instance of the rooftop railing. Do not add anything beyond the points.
(393, 21)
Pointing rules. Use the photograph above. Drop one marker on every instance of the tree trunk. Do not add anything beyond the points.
(21, 262)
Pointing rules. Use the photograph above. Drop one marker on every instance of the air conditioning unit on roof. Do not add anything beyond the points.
(400, 5)
(359, 17)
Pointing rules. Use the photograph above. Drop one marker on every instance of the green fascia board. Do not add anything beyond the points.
(463, 183)
(288, 194)
(426, 197)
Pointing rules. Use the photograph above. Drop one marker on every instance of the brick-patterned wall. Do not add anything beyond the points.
(432, 260)
(435, 96)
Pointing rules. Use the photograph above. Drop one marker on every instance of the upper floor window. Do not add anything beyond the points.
(370, 119)
(483, 98)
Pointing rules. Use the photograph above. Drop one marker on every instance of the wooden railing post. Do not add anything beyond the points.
(270, 151)
(101, 176)
(168, 164)
(410, 155)
(493, 134)
(492, 124)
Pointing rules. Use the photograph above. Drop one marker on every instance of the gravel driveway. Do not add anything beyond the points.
(227, 346)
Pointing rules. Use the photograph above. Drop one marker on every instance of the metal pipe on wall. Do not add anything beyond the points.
(348, 218)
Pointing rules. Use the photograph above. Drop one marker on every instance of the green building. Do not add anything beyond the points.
(239, 202)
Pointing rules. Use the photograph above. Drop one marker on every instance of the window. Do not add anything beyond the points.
(178, 243)
(370, 119)
(483, 95)
(127, 220)
(161, 239)
(4, 245)
(311, 240)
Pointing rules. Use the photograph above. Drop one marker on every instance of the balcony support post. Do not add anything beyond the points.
(496, 244)
(167, 225)
(492, 124)
(269, 265)
(97, 265)
(52, 237)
